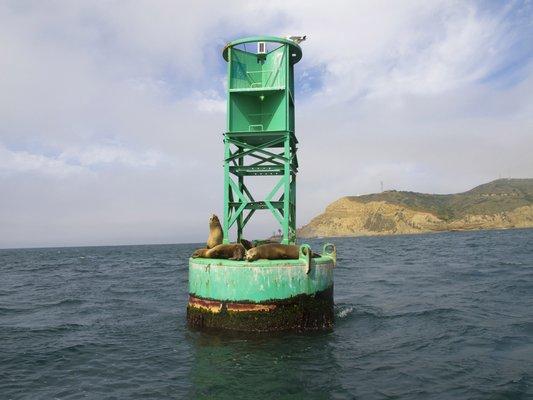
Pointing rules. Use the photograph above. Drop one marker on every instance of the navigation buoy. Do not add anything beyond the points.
(260, 140)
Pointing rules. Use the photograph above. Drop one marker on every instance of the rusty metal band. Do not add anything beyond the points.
(216, 306)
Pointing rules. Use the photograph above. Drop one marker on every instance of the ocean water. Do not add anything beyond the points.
(441, 316)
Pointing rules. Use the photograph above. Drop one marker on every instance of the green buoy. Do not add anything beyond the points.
(260, 140)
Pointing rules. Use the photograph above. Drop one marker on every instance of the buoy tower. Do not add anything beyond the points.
(260, 141)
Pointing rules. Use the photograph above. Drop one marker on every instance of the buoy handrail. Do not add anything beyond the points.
(305, 256)
(329, 250)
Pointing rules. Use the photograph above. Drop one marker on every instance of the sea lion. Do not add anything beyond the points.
(273, 251)
(233, 251)
(247, 244)
(199, 253)
(215, 232)
(264, 241)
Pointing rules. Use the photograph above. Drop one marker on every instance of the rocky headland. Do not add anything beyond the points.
(501, 204)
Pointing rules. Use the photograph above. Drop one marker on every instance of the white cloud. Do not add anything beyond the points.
(75, 161)
(21, 162)
(394, 48)
(102, 155)
(210, 102)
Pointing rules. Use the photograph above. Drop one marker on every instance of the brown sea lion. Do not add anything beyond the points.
(233, 251)
(215, 232)
(247, 244)
(273, 251)
(264, 241)
(199, 253)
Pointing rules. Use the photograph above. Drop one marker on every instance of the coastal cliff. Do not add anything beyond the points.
(501, 204)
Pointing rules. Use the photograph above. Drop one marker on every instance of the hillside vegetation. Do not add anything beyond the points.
(501, 204)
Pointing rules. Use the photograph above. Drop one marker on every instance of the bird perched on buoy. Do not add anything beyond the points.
(297, 39)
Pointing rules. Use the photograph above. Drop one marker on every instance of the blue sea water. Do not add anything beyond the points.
(440, 316)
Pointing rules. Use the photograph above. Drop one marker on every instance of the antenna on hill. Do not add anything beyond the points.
(381, 185)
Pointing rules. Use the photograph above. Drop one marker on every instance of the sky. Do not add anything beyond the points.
(112, 112)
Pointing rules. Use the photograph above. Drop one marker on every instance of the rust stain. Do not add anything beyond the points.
(210, 305)
(216, 306)
(249, 307)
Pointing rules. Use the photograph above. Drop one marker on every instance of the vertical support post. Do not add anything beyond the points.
(227, 188)
(240, 162)
(292, 236)
(286, 188)
(288, 214)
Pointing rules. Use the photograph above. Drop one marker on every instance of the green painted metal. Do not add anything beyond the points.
(258, 281)
(259, 138)
(296, 51)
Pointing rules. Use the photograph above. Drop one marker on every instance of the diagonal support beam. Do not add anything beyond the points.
(268, 201)
(264, 160)
(245, 221)
(244, 202)
(252, 149)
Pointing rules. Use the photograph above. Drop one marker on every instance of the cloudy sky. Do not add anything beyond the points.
(112, 112)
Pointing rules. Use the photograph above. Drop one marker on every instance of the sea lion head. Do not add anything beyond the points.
(199, 253)
(214, 221)
(251, 254)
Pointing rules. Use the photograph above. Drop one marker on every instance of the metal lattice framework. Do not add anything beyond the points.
(260, 139)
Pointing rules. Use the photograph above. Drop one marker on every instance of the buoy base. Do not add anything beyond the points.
(262, 295)
(302, 312)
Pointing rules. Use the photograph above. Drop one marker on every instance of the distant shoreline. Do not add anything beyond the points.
(301, 239)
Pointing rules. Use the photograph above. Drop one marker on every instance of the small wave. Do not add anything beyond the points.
(58, 328)
(45, 329)
(64, 302)
(86, 347)
(9, 311)
(427, 313)
(37, 307)
(525, 327)
(344, 312)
